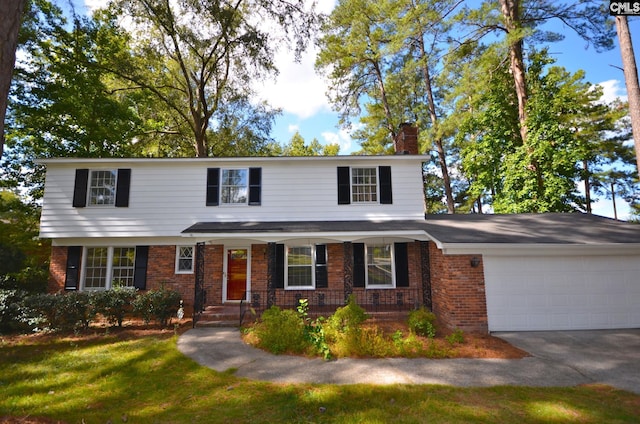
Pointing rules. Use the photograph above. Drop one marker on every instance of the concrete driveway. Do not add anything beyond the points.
(558, 358)
(599, 356)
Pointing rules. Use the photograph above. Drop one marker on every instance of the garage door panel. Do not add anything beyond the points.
(552, 293)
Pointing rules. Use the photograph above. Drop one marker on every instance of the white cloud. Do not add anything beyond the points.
(612, 90)
(297, 90)
(292, 128)
(342, 138)
(92, 5)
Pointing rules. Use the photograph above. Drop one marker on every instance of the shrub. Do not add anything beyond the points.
(64, 311)
(280, 331)
(456, 337)
(314, 330)
(15, 316)
(422, 322)
(115, 304)
(159, 305)
(347, 318)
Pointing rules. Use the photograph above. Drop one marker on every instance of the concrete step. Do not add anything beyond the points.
(220, 316)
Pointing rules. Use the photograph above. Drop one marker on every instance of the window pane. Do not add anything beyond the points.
(300, 266)
(185, 258)
(364, 185)
(96, 268)
(379, 270)
(299, 277)
(102, 188)
(234, 186)
(123, 265)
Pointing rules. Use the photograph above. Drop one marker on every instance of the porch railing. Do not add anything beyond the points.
(325, 302)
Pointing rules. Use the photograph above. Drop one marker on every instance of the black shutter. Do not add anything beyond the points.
(358, 265)
(279, 277)
(140, 271)
(122, 188)
(344, 185)
(72, 276)
(213, 186)
(255, 186)
(384, 174)
(80, 188)
(322, 281)
(402, 265)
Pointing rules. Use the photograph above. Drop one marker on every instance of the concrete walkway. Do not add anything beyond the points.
(558, 359)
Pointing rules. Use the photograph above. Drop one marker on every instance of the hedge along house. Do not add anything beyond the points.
(273, 230)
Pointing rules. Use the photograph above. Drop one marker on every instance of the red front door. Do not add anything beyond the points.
(236, 273)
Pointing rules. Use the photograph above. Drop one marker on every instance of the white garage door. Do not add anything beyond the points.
(562, 293)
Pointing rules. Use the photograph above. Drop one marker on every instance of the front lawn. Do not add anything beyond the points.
(142, 378)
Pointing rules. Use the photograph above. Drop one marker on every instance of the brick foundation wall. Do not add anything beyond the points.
(458, 290)
(57, 269)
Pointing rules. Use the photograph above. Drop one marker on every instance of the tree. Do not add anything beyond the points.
(195, 56)
(631, 80)
(382, 54)
(297, 147)
(352, 50)
(23, 256)
(11, 13)
(61, 106)
(521, 21)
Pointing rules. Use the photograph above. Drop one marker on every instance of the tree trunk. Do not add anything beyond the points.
(631, 80)
(442, 157)
(587, 186)
(511, 12)
(10, 17)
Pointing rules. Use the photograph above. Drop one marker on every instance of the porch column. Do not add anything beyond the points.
(199, 294)
(271, 274)
(348, 269)
(425, 267)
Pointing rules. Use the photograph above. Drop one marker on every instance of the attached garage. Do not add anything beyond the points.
(562, 292)
(551, 271)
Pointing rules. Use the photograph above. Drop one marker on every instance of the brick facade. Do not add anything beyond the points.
(57, 269)
(259, 267)
(458, 291)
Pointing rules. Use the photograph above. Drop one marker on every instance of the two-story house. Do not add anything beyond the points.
(272, 230)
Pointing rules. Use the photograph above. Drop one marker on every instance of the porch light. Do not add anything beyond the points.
(475, 261)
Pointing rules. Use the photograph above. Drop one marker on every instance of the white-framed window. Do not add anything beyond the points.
(105, 266)
(184, 259)
(364, 185)
(300, 261)
(234, 186)
(379, 266)
(102, 188)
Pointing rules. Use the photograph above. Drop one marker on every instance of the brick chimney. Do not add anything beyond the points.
(406, 142)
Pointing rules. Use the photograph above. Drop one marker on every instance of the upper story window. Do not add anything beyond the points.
(99, 187)
(242, 186)
(234, 186)
(364, 185)
(184, 259)
(102, 188)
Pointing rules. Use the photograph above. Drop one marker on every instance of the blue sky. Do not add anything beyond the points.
(300, 92)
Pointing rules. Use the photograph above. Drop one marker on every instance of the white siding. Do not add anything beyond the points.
(167, 196)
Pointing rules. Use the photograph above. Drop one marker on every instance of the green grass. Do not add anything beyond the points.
(149, 381)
